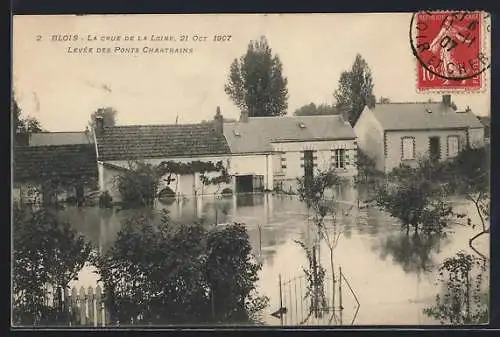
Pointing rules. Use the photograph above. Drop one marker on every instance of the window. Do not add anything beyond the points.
(339, 158)
(408, 148)
(453, 146)
(283, 161)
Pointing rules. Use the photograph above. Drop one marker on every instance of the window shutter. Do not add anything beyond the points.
(334, 159)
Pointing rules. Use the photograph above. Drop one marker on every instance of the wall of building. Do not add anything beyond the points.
(477, 137)
(255, 164)
(182, 185)
(30, 193)
(293, 153)
(394, 147)
(370, 138)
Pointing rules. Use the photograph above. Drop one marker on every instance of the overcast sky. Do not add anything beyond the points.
(62, 89)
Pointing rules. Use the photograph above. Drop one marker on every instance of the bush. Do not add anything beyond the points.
(227, 191)
(169, 273)
(105, 200)
(138, 185)
(166, 193)
(46, 251)
(413, 196)
(464, 300)
(367, 171)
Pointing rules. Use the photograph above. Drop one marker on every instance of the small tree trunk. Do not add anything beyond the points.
(467, 298)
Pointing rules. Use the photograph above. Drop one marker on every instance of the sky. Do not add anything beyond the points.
(62, 89)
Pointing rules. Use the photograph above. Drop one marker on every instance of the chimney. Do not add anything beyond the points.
(219, 122)
(99, 125)
(446, 100)
(244, 116)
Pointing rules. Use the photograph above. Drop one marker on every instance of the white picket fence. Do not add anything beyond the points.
(86, 306)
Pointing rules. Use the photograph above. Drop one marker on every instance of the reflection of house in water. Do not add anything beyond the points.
(52, 166)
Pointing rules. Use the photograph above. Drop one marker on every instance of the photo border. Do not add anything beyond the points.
(24, 7)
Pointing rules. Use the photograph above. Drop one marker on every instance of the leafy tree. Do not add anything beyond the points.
(412, 195)
(316, 193)
(355, 90)
(256, 82)
(168, 273)
(108, 115)
(463, 300)
(22, 125)
(312, 109)
(468, 174)
(232, 279)
(45, 251)
(367, 171)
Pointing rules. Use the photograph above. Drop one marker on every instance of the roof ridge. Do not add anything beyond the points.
(45, 132)
(292, 116)
(407, 103)
(39, 147)
(155, 125)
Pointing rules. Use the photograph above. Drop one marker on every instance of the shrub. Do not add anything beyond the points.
(227, 191)
(46, 251)
(169, 273)
(105, 200)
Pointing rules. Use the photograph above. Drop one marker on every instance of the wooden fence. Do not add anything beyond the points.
(86, 307)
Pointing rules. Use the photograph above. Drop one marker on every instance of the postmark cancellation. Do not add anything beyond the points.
(451, 50)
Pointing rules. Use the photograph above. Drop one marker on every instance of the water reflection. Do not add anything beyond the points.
(415, 253)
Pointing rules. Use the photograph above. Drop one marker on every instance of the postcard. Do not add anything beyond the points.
(277, 170)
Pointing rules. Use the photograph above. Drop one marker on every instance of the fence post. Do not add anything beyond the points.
(340, 295)
(99, 306)
(90, 303)
(67, 305)
(281, 300)
(74, 304)
(83, 306)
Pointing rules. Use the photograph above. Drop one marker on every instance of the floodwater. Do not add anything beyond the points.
(392, 275)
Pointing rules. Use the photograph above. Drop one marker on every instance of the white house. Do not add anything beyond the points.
(272, 152)
(396, 133)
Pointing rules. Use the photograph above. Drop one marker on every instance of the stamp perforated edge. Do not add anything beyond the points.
(485, 37)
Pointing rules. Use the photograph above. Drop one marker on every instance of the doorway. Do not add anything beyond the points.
(249, 183)
(308, 167)
(434, 148)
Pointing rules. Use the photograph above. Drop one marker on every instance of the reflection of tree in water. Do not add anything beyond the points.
(216, 211)
(413, 252)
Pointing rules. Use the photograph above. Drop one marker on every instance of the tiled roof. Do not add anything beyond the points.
(257, 135)
(413, 116)
(31, 163)
(60, 138)
(160, 141)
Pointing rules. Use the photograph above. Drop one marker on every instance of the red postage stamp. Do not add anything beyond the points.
(449, 50)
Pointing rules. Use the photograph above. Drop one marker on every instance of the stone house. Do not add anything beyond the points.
(396, 133)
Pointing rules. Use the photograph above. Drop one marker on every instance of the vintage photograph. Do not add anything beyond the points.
(276, 170)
